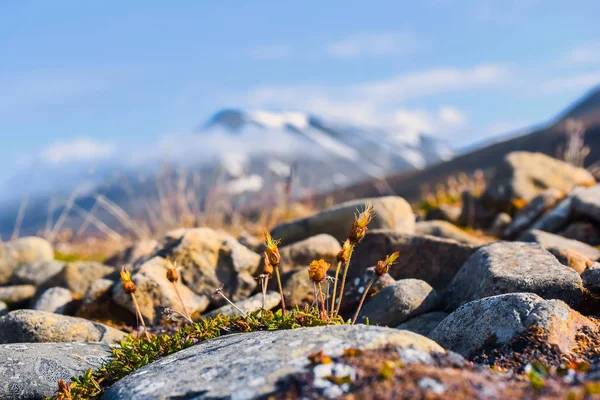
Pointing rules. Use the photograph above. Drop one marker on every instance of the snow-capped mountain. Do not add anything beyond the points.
(353, 151)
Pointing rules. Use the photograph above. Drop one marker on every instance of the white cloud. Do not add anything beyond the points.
(434, 81)
(271, 52)
(79, 149)
(452, 116)
(373, 44)
(362, 101)
(573, 83)
(585, 54)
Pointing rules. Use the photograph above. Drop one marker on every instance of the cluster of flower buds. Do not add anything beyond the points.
(272, 256)
(317, 270)
(383, 267)
(344, 254)
(359, 226)
(126, 281)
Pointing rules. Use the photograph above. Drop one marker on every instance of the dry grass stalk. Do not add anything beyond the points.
(129, 288)
(382, 268)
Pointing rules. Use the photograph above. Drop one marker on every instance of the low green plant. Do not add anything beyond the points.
(133, 353)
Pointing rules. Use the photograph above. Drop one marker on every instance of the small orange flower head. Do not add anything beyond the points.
(383, 267)
(271, 250)
(126, 281)
(317, 270)
(359, 226)
(344, 253)
(172, 270)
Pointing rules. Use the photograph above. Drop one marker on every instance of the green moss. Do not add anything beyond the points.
(134, 353)
(72, 257)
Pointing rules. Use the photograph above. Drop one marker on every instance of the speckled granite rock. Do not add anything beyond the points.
(246, 366)
(510, 267)
(497, 319)
(398, 302)
(54, 300)
(31, 326)
(32, 370)
(37, 272)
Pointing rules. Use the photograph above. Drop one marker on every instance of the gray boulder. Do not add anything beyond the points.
(495, 320)
(20, 251)
(558, 217)
(154, 293)
(31, 326)
(585, 232)
(298, 255)
(32, 370)
(55, 300)
(16, 293)
(36, 272)
(246, 366)
(434, 260)
(212, 259)
(444, 212)
(446, 230)
(424, 324)
(355, 288)
(591, 279)
(547, 239)
(510, 267)
(523, 175)
(99, 289)
(538, 206)
(78, 276)
(391, 212)
(586, 203)
(134, 254)
(399, 302)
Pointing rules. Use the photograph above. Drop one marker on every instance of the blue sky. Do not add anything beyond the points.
(81, 81)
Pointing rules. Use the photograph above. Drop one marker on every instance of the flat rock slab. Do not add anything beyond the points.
(551, 240)
(246, 366)
(32, 370)
(510, 267)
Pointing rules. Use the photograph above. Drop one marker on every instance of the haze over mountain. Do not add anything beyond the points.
(240, 152)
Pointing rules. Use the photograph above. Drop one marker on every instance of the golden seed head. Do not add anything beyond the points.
(383, 267)
(127, 283)
(172, 274)
(317, 270)
(271, 250)
(344, 253)
(268, 268)
(359, 226)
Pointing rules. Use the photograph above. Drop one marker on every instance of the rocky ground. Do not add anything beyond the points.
(508, 312)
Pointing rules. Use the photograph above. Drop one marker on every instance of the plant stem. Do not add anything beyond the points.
(187, 314)
(264, 282)
(139, 313)
(335, 283)
(233, 304)
(364, 296)
(322, 297)
(337, 310)
(280, 289)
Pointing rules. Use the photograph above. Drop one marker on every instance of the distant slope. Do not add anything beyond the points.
(546, 140)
